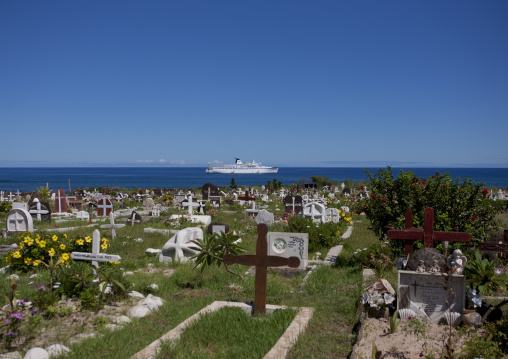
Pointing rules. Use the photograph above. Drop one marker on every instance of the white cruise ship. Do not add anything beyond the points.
(241, 168)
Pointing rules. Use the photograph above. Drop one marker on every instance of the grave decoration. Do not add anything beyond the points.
(76, 204)
(60, 201)
(134, 218)
(316, 211)
(208, 190)
(19, 220)
(178, 248)
(104, 207)
(216, 227)
(332, 215)
(261, 261)
(284, 244)
(96, 256)
(247, 197)
(83, 215)
(112, 225)
(427, 234)
(293, 203)
(40, 210)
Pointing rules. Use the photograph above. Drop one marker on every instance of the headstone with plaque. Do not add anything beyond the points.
(287, 245)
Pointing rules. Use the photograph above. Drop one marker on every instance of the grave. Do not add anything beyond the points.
(178, 248)
(265, 217)
(246, 198)
(344, 209)
(316, 211)
(208, 190)
(284, 244)
(60, 201)
(134, 218)
(21, 205)
(427, 234)
(216, 227)
(112, 225)
(148, 204)
(83, 215)
(96, 256)
(332, 215)
(156, 211)
(261, 261)
(179, 198)
(104, 207)
(40, 210)
(19, 220)
(424, 293)
(293, 203)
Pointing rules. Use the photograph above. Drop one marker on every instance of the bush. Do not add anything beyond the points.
(458, 206)
(321, 235)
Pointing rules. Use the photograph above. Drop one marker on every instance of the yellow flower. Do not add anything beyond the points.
(51, 252)
(65, 235)
(16, 254)
(104, 240)
(37, 237)
(8, 260)
(65, 256)
(37, 240)
(36, 263)
(21, 245)
(30, 242)
(42, 244)
(54, 238)
(88, 239)
(338, 233)
(62, 246)
(80, 242)
(28, 261)
(104, 246)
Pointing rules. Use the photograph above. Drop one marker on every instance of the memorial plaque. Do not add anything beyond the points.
(179, 198)
(287, 245)
(425, 294)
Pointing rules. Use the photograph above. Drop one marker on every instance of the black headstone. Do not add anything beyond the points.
(293, 204)
(209, 188)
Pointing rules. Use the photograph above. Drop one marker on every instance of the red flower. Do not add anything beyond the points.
(473, 218)
(423, 183)
(383, 200)
(361, 187)
(358, 211)
(373, 196)
(485, 191)
(443, 186)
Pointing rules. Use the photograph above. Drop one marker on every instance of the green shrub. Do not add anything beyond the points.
(321, 235)
(459, 206)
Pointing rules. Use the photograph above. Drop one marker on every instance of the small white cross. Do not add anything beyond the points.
(38, 211)
(10, 196)
(112, 225)
(96, 254)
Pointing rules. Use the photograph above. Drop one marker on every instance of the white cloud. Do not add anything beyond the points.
(162, 160)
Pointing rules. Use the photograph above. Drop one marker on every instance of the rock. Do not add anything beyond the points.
(135, 294)
(11, 355)
(168, 272)
(139, 240)
(36, 353)
(57, 349)
(153, 251)
(154, 287)
(139, 311)
(428, 256)
(13, 276)
(265, 217)
(112, 327)
(151, 302)
(122, 319)
(128, 273)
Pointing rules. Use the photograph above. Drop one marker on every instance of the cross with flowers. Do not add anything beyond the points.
(96, 256)
(427, 234)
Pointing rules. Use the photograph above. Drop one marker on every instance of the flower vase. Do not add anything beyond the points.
(379, 313)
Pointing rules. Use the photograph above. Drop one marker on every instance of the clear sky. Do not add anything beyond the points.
(287, 83)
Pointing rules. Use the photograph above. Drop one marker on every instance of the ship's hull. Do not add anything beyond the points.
(226, 170)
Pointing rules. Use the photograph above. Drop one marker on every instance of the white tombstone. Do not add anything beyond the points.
(19, 220)
(316, 211)
(332, 215)
(83, 215)
(305, 198)
(190, 205)
(96, 256)
(112, 225)
(156, 211)
(283, 244)
(148, 204)
(178, 248)
(22, 205)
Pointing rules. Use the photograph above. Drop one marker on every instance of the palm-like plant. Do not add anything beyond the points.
(481, 275)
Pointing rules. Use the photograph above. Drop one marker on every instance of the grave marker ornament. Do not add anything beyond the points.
(104, 207)
(261, 260)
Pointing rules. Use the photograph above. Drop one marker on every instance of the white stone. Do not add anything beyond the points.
(344, 209)
(265, 217)
(19, 220)
(153, 251)
(36, 353)
(139, 240)
(122, 319)
(83, 215)
(154, 286)
(22, 205)
(284, 244)
(139, 311)
(57, 349)
(135, 294)
(316, 211)
(11, 355)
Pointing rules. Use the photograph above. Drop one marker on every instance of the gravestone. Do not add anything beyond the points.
(83, 215)
(316, 211)
(293, 203)
(332, 215)
(96, 256)
(156, 211)
(112, 225)
(134, 218)
(265, 217)
(426, 295)
(216, 227)
(40, 210)
(76, 204)
(215, 200)
(104, 207)
(287, 245)
(19, 220)
(178, 248)
(21, 205)
(261, 260)
(179, 198)
(148, 204)
(60, 201)
(208, 190)
(33, 196)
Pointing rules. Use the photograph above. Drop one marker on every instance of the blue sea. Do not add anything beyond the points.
(30, 179)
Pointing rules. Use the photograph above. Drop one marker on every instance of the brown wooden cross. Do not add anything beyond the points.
(261, 260)
(247, 197)
(427, 234)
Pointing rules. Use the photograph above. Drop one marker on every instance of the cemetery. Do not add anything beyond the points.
(397, 267)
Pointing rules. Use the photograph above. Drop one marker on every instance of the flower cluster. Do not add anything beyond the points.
(379, 295)
(345, 216)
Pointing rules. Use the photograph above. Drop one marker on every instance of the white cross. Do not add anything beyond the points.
(2, 196)
(10, 196)
(133, 218)
(105, 206)
(190, 204)
(180, 246)
(17, 194)
(38, 211)
(96, 254)
(17, 219)
(59, 198)
(112, 225)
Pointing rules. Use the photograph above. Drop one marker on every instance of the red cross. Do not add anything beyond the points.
(261, 260)
(427, 234)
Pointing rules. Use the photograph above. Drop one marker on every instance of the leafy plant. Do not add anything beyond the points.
(394, 323)
(321, 235)
(45, 192)
(212, 249)
(480, 275)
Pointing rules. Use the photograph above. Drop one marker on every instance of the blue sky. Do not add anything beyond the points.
(288, 83)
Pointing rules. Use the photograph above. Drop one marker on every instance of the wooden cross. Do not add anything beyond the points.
(261, 260)
(427, 234)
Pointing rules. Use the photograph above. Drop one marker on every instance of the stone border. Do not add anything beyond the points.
(279, 350)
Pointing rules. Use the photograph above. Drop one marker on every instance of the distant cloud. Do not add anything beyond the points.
(143, 161)
(216, 162)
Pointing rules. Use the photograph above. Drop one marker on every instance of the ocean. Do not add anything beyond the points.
(30, 179)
